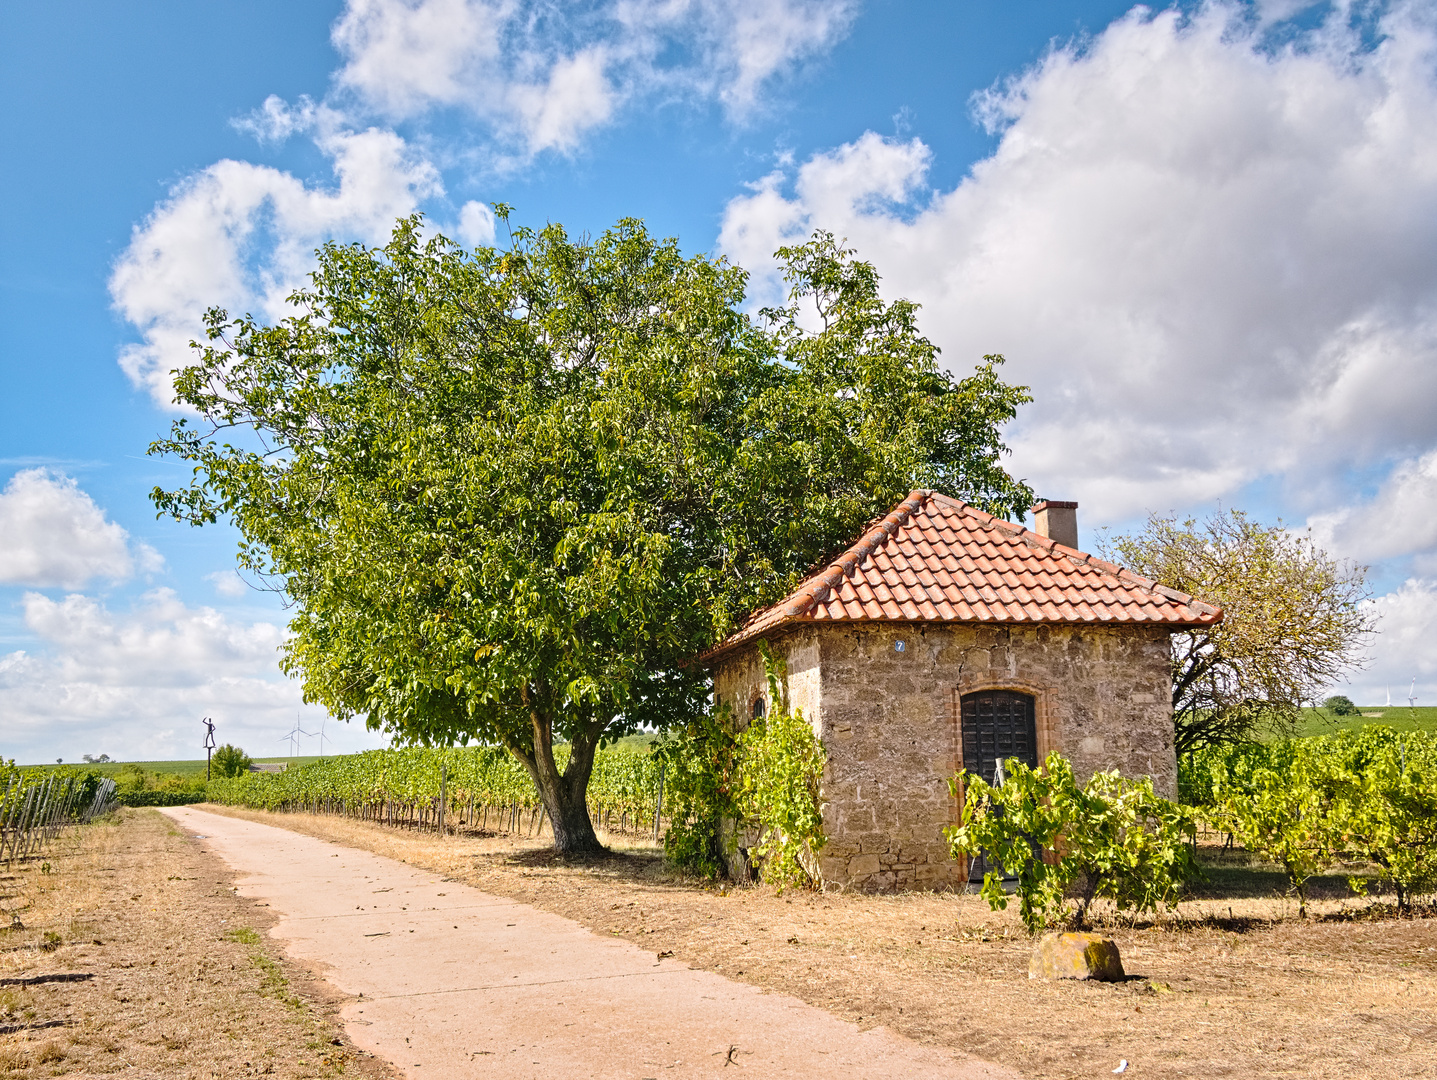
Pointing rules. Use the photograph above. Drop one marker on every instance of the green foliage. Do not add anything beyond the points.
(1285, 812)
(18, 781)
(624, 781)
(134, 786)
(511, 492)
(31, 794)
(1197, 768)
(1369, 794)
(780, 767)
(765, 779)
(231, 761)
(1341, 705)
(162, 796)
(701, 763)
(1390, 794)
(1293, 622)
(1069, 845)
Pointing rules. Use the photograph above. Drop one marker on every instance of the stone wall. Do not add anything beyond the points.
(741, 679)
(889, 721)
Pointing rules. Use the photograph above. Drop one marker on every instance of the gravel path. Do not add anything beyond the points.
(449, 981)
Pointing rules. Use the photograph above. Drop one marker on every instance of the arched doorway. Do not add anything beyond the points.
(996, 725)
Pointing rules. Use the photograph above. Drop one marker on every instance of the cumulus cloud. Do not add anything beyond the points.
(476, 224)
(241, 236)
(136, 685)
(1402, 651)
(53, 534)
(1214, 258)
(1399, 519)
(228, 583)
(544, 75)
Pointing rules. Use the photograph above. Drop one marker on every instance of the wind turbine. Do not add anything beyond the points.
(293, 737)
(322, 721)
(1412, 694)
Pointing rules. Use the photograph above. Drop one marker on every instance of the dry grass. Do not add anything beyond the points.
(1240, 987)
(171, 973)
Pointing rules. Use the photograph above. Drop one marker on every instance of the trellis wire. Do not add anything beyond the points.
(447, 789)
(37, 804)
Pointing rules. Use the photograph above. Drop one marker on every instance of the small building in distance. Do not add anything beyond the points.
(944, 639)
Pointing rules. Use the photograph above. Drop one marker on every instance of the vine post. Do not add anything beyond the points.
(443, 785)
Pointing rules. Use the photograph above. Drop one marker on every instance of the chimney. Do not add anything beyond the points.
(1057, 521)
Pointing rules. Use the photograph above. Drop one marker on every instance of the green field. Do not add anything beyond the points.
(1397, 717)
(1314, 722)
(191, 768)
(169, 768)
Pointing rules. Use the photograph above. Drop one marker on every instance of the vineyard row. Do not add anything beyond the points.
(37, 803)
(429, 788)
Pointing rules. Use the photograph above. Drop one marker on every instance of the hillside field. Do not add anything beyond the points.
(1314, 722)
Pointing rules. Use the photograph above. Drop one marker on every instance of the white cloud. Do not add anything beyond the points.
(276, 120)
(1403, 649)
(1399, 519)
(228, 583)
(476, 225)
(736, 48)
(545, 75)
(53, 534)
(241, 236)
(575, 97)
(1213, 260)
(405, 57)
(136, 686)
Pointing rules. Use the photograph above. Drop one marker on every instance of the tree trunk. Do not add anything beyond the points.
(564, 794)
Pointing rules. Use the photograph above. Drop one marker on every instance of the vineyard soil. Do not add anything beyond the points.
(165, 972)
(1243, 989)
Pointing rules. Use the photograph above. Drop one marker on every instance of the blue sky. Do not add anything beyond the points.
(1204, 236)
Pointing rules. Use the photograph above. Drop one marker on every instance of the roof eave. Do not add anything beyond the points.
(739, 640)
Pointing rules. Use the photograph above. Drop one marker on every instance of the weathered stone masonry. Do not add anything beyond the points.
(939, 601)
(889, 721)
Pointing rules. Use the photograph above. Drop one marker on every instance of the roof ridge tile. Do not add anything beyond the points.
(937, 558)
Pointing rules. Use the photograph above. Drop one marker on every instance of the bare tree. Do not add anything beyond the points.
(1294, 621)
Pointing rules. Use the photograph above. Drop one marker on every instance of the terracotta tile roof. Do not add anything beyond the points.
(936, 559)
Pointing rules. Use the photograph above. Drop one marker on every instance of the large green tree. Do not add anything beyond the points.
(1294, 622)
(511, 492)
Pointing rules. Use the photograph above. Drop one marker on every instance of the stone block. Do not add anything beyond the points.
(888, 719)
(862, 866)
(1076, 956)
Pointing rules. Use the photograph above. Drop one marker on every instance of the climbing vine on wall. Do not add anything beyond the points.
(762, 780)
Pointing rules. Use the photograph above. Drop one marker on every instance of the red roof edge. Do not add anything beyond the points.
(841, 567)
(818, 587)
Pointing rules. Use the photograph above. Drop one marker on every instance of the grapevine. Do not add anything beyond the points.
(483, 786)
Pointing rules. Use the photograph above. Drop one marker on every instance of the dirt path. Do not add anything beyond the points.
(1239, 987)
(453, 982)
(125, 952)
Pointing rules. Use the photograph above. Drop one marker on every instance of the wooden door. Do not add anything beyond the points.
(996, 725)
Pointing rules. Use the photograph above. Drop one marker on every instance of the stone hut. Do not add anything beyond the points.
(946, 638)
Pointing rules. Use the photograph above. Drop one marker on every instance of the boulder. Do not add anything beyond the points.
(1076, 956)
